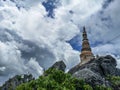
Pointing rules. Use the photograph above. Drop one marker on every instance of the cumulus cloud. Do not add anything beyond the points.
(81, 9)
(33, 41)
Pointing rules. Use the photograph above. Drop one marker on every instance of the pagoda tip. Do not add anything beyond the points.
(84, 30)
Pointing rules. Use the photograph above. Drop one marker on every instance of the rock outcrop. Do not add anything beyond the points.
(95, 71)
(12, 83)
(60, 65)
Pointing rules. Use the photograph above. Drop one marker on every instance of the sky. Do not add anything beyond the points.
(34, 34)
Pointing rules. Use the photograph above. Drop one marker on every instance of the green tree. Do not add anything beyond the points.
(54, 79)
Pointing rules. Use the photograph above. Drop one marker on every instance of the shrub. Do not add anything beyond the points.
(54, 79)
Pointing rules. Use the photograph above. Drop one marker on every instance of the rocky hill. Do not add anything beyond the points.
(98, 74)
(97, 70)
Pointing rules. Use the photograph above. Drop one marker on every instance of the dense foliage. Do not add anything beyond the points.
(54, 79)
(115, 81)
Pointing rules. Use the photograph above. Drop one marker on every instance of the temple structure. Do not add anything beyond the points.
(86, 52)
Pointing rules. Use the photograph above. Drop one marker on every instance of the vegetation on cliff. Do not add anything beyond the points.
(115, 81)
(54, 79)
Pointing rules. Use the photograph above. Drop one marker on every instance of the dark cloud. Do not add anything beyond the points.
(28, 49)
(42, 55)
(107, 3)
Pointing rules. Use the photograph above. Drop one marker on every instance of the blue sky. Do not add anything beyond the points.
(37, 33)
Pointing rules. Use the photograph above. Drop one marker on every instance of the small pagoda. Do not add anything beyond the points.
(86, 52)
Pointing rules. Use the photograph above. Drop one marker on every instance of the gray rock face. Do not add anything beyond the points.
(60, 65)
(95, 71)
(117, 72)
(89, 76)
(12, 83)
(108, 65)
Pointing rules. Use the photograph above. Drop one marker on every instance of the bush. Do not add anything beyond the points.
(102, 88)
(54, 79)
(115, 80)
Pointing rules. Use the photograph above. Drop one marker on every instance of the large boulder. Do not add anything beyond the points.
(95, 71)
(107, 65)
(89, 76)
(60, 65)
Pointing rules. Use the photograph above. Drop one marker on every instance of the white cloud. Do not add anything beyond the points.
(49, 36)
(10, 60)
(82, 9)
(33, 66)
